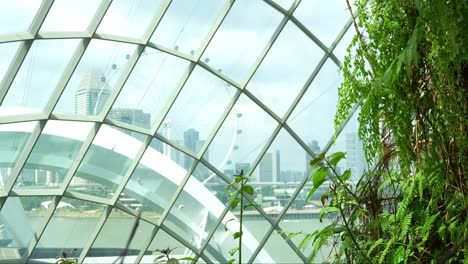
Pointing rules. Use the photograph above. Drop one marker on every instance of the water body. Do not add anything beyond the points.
(68, 232)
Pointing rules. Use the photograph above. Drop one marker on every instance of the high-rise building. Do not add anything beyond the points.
(270, 167)
(193, 143)
(355, 158)
(92, 93)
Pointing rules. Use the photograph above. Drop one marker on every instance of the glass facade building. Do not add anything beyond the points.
(114, 111)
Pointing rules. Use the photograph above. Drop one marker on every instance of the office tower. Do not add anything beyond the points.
(193, 143)
(355, 158)
(92, 93)
(270, 167)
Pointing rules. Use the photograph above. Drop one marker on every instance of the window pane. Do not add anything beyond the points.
(70, 15)
(186, 24)
(69, 230)
(94, 79)
(241, 38)
(39, 74)
(149, 88)
(317, 15)
(113, 237)
(8, 51)
(312, 118)
(241, 137)
(13, 138)
(21, 219)
(197, 109)
(129, 18)
(276, 89)
(163, 240)
(53, 155)
(106, 162)
(16, 16)
(155, 180)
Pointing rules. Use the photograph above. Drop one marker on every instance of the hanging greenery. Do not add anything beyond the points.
(407, 68)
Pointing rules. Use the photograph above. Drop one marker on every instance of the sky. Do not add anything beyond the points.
(233, 51)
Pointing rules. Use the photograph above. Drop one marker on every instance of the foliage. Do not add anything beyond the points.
(164, 256)
(236, 190)
(65, 258)
(407, 69)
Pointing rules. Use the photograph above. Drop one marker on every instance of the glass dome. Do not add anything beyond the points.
(125, 110)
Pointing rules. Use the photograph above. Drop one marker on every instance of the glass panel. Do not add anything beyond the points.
(279, 174)
(243, 35)
(279, 251)
(129, 18)
(212, 182)
(69, 230)
(269, 84)
(21, 218)
(149, 88)
(13, 137)
(95, 77)
(255, 228)
(326, 20)
(163, 240)
(155, 180)
(106, 162)
(340, 49)
(38, 76)
(348, 141)
(52, 155)
(238, 142)
(196, 110)
(306, 223)
(16, 16)
(312, 118)
(197, 208)
(186, 24)
(114, 236)
(8, 51)
(69, 15)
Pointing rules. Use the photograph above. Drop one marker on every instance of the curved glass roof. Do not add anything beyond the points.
(117, 110)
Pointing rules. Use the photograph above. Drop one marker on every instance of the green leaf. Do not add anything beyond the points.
(292, 234)
(236, 235)
(338, 229)
(318, 177)
(317, 159)
(173, 261)
(225, 225)
(248, 189)
(327, 210)
(336, 157)
(231, 261)
(250, 204)
(189, 259)
(311, 192)
(233, 251)
(234, 203)
(345, 176)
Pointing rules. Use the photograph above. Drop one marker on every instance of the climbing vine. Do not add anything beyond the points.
(407, 69)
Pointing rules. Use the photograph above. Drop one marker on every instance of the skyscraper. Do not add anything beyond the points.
(193, 143)
(92, 93)
(270, 167)
(355, 158)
